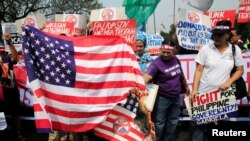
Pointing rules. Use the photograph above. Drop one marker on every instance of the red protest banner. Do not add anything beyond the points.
(216, 16)
(244, 11)
(123, 28)
(59, 28)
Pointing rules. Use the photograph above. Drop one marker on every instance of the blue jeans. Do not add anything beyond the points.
(166, 116)
(198, 132)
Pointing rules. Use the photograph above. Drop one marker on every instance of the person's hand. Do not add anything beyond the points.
(7, 38)
(187, 91)
(225, 85)
(152, 125)
(89, 25)
(193, 95)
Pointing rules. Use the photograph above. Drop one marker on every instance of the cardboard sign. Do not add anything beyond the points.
(9, 28)
(111, 13)
(212, 106)
(15, 37)
(152, 93)
(216, 16)
(193, 29)
(79, 20)
(59, 28)
(244, 11)
(3, 123)
(37, 20)
(123, 28)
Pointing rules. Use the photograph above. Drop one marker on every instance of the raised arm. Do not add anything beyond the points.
(7, 38)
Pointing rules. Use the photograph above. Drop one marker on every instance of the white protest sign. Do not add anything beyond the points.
(15, 37)
(193, 29)
(37, 20)
(79, 20)
(152, 93)
(111, 13)
(212, 106)
(3, 124)
(9, 28)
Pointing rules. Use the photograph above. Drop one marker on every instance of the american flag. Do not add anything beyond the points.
(76, 81)
(120, 126)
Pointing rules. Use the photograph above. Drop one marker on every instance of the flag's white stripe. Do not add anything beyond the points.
(40, 115)
(124, 111)
(76, 107)
(72, 121)
(131, 134)
(36, 84)
(111, 134)
(108, 77)
(107, 63)
(105, 49)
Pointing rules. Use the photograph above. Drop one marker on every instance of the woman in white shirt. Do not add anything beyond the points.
(214, 65)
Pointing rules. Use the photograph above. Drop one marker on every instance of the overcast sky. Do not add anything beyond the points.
(165, 11)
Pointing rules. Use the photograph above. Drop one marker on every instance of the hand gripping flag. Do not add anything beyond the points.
(120, 126)
(76, 81)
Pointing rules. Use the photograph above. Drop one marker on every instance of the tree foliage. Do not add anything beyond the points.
(72, 6)
(12, 10)
(168, 35)
(244, 29)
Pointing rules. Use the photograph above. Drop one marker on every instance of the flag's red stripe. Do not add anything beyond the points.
(112, 130)
(104, 56)
(37, 107)
(79, 100)
(107, 70)
(72, 114)
(98, 41)
(93, 41)
(42, 123)
(105, 136)
(108, 84)
(73, 127)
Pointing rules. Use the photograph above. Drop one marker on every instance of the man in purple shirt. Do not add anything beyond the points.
(166, 72)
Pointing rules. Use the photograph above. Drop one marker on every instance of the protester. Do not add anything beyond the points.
(10, 90)
(214, 64)
(143, 58)
(166, 72)
(235, 39)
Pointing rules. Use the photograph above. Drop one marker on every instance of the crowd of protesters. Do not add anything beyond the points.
(165, 71)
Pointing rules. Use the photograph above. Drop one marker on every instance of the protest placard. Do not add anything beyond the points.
(153, 42)
(212, 106)
(216, 16)
(244, 14)
(123, 28)
(59, 28)
(110, 13)
(152, 93)
(15, 37)
(193, 29)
